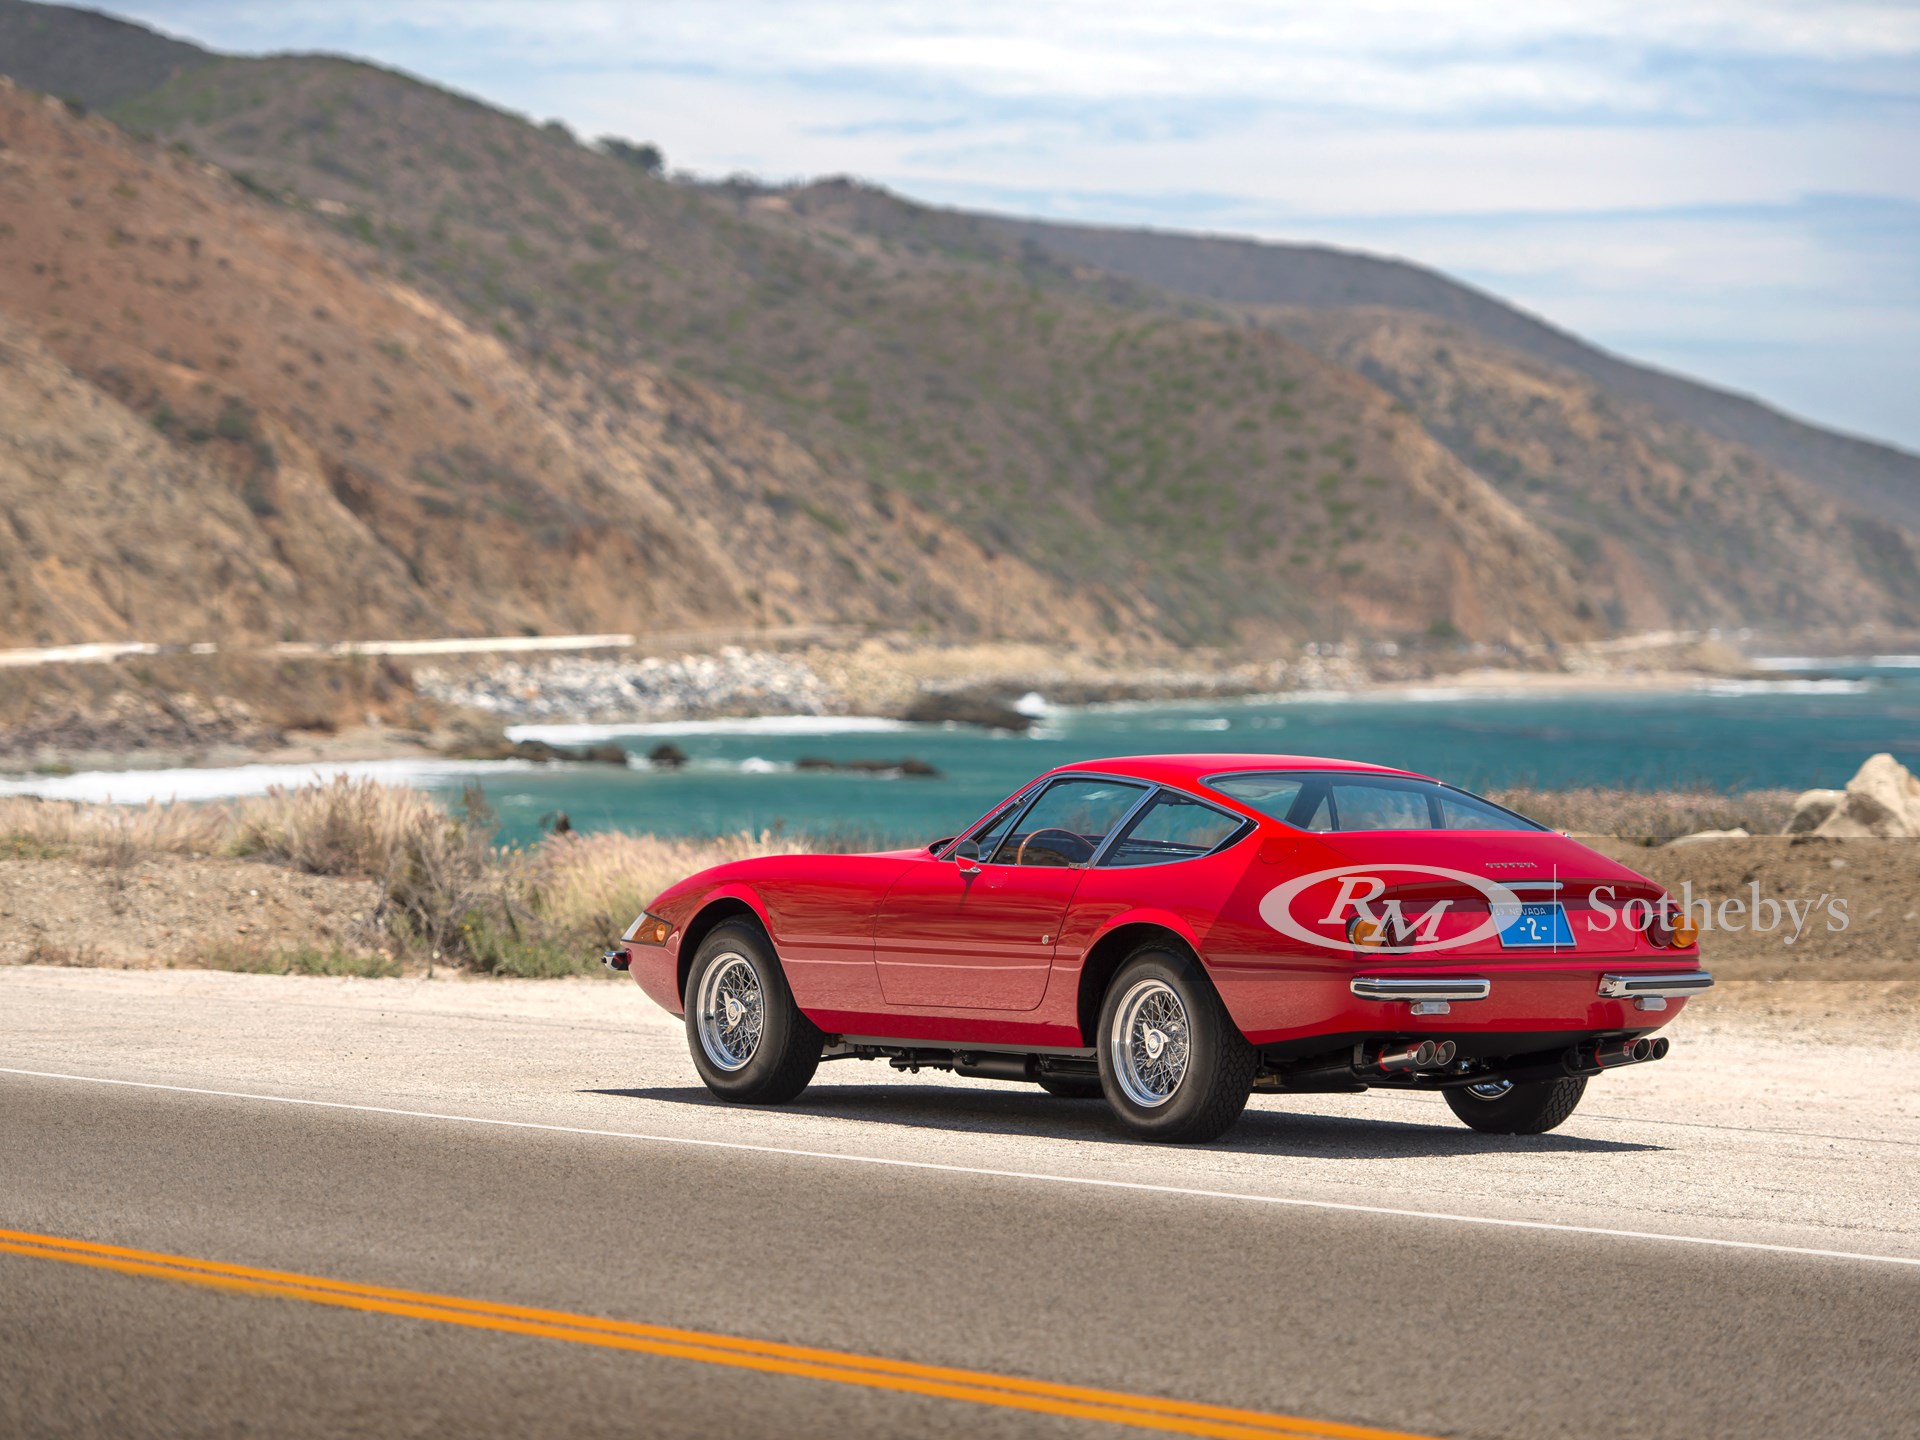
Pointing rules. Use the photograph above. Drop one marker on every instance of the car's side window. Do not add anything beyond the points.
(1365, 805)
(1067, 823)
(988, 836)
(1173, 827)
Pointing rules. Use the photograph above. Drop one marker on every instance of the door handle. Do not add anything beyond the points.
(970, 870)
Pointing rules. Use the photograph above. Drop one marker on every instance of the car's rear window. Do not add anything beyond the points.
(1347, 801)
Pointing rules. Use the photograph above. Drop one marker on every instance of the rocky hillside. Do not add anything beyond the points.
(1879, 479)
(218, 418)
(1664, 521)
(435, 368)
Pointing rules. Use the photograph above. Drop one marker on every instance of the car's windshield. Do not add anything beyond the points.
(1348, 801)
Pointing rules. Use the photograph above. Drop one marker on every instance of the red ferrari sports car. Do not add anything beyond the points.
(1173, 932)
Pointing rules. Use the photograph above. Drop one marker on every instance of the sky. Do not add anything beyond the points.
(1725, 188)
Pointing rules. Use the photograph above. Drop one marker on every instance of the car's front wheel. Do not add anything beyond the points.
(1172, 1063)
(749, 1040)
(1509, 1107)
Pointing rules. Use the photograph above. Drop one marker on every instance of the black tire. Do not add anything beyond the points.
(1216, 1072)
(1073, 1087)
(767, 1068)
(1529, 1107)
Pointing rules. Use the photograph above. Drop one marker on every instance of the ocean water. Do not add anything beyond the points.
(1800, 727)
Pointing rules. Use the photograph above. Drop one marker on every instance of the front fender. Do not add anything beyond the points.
(661, 970)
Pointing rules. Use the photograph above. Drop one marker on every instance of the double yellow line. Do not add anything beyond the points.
(872, 1372)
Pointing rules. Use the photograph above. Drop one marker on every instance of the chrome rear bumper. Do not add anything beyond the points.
(1430, 994)
(1651, 992)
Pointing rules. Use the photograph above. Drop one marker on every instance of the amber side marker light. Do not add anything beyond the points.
(1371, 934)
(648, 930)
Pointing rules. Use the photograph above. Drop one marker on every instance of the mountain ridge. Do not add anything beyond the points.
(897, 416)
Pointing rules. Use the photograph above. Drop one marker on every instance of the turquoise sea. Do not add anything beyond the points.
(1802, 726)
(1796, 731)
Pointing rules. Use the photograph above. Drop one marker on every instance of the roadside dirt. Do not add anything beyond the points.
(172, 910)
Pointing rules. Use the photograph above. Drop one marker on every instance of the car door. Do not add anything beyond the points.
(975, 928)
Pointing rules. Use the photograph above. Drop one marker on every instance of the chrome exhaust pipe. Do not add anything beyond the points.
(1611, 1054)
(1423, 1056)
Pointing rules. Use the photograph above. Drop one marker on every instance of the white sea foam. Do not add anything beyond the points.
(1787, 687)
(136, 787)
(737, 725)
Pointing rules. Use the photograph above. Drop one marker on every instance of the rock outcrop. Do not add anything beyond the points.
(1882, 799)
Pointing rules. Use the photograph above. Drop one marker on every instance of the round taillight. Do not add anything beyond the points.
(1685, 932)
(1659, 931)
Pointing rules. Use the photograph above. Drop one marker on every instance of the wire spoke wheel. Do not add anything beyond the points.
(732, 1012)
(1150, 1043)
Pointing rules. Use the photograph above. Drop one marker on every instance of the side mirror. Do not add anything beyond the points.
(966, 851)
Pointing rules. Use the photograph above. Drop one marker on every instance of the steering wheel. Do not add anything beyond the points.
(1020, 855)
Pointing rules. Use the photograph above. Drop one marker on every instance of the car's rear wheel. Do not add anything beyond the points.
(1173, 1065)
(749, 1040)
(1509, 1107)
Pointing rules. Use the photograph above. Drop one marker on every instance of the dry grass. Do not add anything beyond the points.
(145, 829)
(1650, 816)
(449, 894)
(596, 884)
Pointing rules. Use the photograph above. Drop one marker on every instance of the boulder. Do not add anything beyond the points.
(955, 709)
(666, 756)
(1812, 808)
(1882, 800)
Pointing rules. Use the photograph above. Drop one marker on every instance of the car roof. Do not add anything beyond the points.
(1189, 770)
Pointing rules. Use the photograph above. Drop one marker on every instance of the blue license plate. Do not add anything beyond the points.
(1541, 924)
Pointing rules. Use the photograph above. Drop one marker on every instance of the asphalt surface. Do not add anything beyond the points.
(945, 1223)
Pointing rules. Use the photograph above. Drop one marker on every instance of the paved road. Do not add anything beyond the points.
(1086, 1268)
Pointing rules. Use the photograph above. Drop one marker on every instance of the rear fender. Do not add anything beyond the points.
(1119, 938)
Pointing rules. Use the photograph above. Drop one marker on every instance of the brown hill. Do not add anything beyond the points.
(1134, 473)
(257, 433)
(1880, 480)
(1668, 523)
(1665, 521)
(463, 372)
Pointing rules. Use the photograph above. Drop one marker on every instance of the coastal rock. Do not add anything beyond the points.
(538, 751)
(909, 766)
(942, 709)
(732, 682)
(1882, 799)
(666, 756)
(1812, 809)
(1739, 832)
